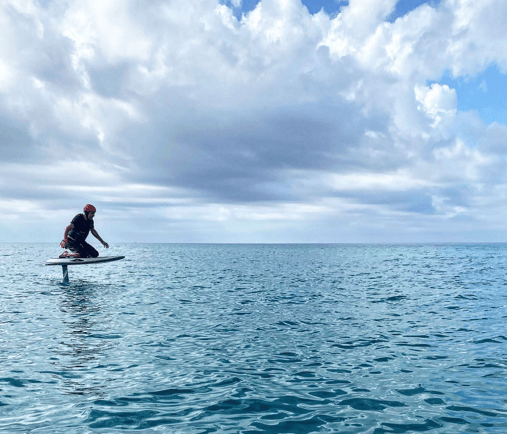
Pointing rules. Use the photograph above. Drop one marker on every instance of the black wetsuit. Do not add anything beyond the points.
(77, 237)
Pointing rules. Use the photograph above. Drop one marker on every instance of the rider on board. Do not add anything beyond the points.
(75, 235)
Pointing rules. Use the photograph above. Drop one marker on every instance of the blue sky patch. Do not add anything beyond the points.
(333, 7)
(403, 7)
(485, 93)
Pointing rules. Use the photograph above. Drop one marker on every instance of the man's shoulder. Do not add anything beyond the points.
(78, 219)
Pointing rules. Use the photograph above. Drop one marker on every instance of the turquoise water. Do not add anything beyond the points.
(255, 339)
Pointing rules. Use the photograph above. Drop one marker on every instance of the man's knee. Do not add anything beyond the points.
(92, 253)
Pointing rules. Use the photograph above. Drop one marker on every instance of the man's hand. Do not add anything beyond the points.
(105, 244)
(64, 244)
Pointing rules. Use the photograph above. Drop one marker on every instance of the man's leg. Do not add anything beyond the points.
(77, 248)
(89, 251)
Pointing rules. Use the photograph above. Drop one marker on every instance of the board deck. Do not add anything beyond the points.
(82, 261)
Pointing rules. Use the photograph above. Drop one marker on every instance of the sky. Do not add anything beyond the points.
(244, 121)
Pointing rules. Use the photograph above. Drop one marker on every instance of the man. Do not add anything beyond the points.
(76, 233)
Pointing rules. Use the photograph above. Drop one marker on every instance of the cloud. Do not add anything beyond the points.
(184, 113)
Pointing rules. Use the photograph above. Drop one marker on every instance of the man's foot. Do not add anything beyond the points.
(69, 255)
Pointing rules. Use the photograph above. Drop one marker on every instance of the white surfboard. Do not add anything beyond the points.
(82, 261)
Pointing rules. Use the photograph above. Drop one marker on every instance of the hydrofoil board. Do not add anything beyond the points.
(82, 261)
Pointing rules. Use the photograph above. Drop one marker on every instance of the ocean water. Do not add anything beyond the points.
(255, 339)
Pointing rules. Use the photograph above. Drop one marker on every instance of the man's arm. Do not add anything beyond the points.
(96, 235)
(67, 230)
(65, 243)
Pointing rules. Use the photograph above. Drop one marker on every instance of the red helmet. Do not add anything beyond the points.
(89, 208)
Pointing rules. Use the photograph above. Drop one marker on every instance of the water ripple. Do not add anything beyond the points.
(256, 338)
